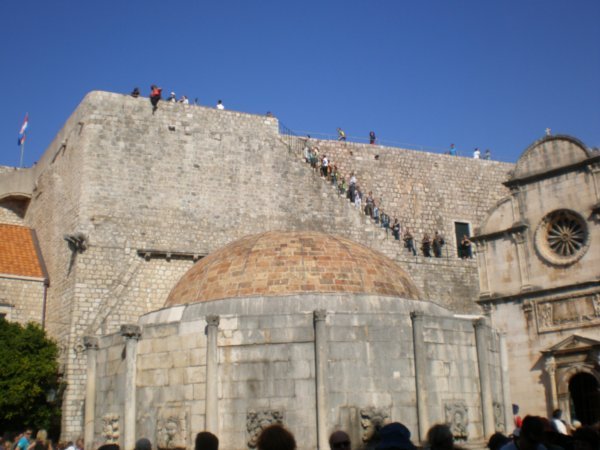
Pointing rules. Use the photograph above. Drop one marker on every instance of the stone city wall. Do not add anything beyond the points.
(189, 180)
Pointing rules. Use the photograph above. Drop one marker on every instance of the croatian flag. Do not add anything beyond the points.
(23, 128)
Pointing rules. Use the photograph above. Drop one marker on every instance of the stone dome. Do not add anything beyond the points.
(279, 263)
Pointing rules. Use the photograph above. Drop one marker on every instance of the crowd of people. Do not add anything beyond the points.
(156, 96)
(531, 433)
(348, 186)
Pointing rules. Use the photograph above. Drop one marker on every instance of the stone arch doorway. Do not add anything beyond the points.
(584, 392)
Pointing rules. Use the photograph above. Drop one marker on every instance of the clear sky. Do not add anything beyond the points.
(478, 73)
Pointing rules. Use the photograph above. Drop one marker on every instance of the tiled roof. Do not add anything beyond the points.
(18, 255)
(283, 263)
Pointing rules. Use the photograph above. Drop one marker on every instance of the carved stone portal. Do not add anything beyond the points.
(110, 428)
(171, 431)
(371, 421)
(256, 421)
(457, 418)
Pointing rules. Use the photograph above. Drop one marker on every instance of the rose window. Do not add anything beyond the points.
(562, 237)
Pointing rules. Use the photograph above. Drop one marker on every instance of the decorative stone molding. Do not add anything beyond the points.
(499, 417)
(213, 320)
(131, 331)
(171, 431)
(457, 418)
(90, 342)
(550, 365)
(371, 421)
(256, 421)
(110, 428)
(567, 312)
(319, 315)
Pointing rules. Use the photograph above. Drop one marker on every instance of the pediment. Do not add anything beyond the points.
(573, 343)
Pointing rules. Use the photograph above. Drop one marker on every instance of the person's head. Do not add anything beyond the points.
(109, 447)
(42, 436)
(395, 436)
(557, 414)
(532, 433)
(79, 443)
(143, 444)
(339, 440)
(586, 438)
(205, 440)
(276, 437)
(439, 437)
(497, 440)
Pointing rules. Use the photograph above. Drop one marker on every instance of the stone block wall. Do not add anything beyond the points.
(21, 299)
(12, 211)
(452, 368)
(427, 192)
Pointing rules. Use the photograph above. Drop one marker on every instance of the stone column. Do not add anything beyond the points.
(417, 318)
(321, 358)
(484, 281)
(212, 408)
(550, 368)
(91, 346)
(131, 333)
(506, 398)
(487, 406)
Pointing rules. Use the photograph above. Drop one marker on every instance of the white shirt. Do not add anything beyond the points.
(476, 154)
(220, 106)
(325, 162)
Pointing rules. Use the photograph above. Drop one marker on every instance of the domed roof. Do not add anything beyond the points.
(283, 263)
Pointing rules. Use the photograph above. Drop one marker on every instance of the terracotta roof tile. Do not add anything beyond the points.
(281, 263)
(18, 255)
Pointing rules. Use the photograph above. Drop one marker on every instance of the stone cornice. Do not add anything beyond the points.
(515, 182)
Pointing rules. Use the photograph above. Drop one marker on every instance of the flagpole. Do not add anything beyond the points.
(22, 151)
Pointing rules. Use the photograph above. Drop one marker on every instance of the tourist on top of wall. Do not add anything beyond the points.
(135, 93)
(409, 242)
(172, 98)
(341, 135)
(438, 243)
(465, 250)
(372, 138)
(476, 153)
(452, 150)
(488, 154)
(155, 96)
(396, 229)
(426, 246)
(220, 105)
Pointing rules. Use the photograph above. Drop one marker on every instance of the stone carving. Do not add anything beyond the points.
(499, 417)
(371, 421)
(550, 365)
(562, 237)
(110, 428)
(256, 421)
(457, 418)
(130, 331)
(171, 431)
(319, 314)
(212, 320)
(565, 313)
(545, 316)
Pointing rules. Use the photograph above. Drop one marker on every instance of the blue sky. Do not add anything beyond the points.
(489, 74)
